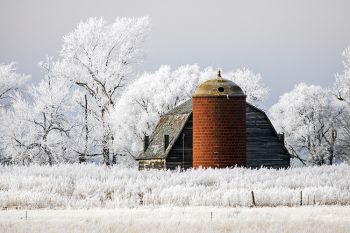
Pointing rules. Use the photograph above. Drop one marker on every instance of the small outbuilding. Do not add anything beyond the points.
(216, 128)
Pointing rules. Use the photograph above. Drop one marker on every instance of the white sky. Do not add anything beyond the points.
(286, 41)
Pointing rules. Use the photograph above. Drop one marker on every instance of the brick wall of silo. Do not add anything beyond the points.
(219, 131)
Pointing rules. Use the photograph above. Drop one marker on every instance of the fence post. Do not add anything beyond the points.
(253, 199)
(141, 198)
(301, 197)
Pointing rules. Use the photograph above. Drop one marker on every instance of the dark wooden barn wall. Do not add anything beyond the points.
(263, 145)
(179, 155)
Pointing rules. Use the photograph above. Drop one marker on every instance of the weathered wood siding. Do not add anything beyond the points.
(263, 145)
(181, 156)
(151, 163)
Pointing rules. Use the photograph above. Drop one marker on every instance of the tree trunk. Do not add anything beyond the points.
(331, 151)
(114, 159)
(105, 139)
(82, 157)
(44, 147)
(106, 155)
(331, 160)
(49, 155)
(47, 151)
(331, 155)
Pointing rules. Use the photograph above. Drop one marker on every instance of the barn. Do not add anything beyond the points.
(216, 128)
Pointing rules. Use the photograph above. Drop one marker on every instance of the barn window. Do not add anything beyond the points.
(221, 89)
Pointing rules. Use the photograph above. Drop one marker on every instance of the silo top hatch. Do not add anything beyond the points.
(218, 87)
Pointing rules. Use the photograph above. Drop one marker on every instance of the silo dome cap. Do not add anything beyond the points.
(218, 87)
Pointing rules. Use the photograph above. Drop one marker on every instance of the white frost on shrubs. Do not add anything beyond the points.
(92, 186)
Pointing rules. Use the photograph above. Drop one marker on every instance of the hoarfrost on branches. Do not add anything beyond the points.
(342, 93)
(309, 116)
(10, 83)
(155, 93)
(251, 84)
(38, 130)
(99, 57)
(342, 82)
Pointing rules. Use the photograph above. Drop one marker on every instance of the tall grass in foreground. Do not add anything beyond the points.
(92, 186)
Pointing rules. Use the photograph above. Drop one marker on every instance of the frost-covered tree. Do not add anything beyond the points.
(99, 58)
(342, 82)
(10, 82)
(153, 94)
(85, 145)
(38, 130)
(342, 93)
(309, 117)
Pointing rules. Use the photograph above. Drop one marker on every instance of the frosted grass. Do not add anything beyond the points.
(325, 219)
(90, 186)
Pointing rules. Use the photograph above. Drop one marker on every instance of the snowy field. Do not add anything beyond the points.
(90, 186)
(325, 219)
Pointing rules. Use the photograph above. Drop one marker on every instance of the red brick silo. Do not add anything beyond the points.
(219, 124)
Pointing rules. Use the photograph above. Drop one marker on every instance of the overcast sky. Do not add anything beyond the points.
(286, 41)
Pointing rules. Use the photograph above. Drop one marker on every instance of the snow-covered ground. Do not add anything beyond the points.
(332, 219)
(90, 186)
